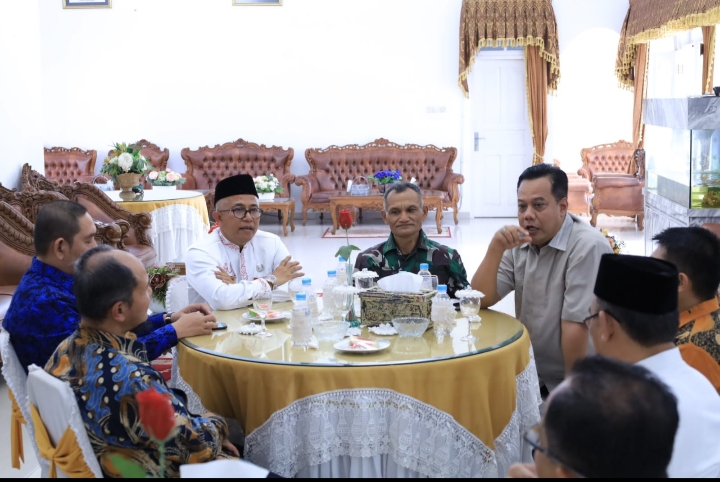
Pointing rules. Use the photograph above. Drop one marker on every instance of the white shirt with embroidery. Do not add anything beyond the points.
(258, 258)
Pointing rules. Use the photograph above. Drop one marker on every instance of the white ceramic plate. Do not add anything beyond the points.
(344, 346)
(274, 316)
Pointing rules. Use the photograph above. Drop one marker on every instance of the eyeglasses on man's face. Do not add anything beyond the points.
(532, 437)
(586, 321)
(240, 213)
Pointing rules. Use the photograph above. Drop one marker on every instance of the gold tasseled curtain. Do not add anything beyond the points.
(510, 23)
(708, 58)
(653, 19)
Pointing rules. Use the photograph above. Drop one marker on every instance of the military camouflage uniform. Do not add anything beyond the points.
(445, 263)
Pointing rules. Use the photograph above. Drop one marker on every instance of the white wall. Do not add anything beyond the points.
(20, 91)
(311, 73)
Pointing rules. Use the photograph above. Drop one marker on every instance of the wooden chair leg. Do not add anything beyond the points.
(641, 221)
(455, 214)
(304, 216)
(322, 215)
(593, 218)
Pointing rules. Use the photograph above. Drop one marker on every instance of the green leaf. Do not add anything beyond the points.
(128, 469)
(345, 251)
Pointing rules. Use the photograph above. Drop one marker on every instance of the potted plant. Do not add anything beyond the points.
(267, 187)
(165, 180)
(160, 277)
(125, 165)
(382, 178)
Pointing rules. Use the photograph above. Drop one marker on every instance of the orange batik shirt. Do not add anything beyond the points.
(699, 339)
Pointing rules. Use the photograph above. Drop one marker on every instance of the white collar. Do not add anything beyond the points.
(663, 361)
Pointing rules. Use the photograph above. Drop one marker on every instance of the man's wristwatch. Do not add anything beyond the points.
(168, 317)
(271, 280)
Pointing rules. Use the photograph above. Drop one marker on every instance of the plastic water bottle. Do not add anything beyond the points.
(310, 297)
(442, 313)
(341, 271)
(301, 322)
(426, 277)
(329, 308)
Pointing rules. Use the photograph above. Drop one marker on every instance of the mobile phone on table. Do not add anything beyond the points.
(220, 326)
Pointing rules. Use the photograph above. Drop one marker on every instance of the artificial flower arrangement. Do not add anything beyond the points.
(160, 277)
(165, 178)
(616, 244)
(124, 159)
(268, 183)
(387, 177)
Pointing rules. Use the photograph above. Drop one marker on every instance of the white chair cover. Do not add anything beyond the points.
(177, 294)
(58, 408)
(223, 469)
(16, 379)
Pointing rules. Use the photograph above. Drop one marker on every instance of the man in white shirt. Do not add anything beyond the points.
(634, 318)
(250, 261)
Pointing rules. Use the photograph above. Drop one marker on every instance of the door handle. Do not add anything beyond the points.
(477, 141)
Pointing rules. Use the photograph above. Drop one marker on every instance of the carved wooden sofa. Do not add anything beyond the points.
(332, 167)
(617, 174)
(28, 203)
(16, 252)
(134, 227)
(66, 166)
(206, 166)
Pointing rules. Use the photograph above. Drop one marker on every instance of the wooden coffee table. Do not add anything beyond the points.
(374, 202)
(286, 208)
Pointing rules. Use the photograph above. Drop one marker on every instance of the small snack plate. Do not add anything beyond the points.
(272, 316)
(344, 346)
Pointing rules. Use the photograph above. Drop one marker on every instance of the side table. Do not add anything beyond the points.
(286, 206)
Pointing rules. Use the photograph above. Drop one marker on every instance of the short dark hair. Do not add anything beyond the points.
(558, 178)
(102, 282)
(696, 252)
(58, 219)
(644, 328)
(613, 420)
(400, 187)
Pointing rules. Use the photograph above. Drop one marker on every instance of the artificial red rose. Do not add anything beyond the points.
(156, 414)
(346, 219)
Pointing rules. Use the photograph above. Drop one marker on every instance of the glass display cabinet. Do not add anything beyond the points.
(682, 154)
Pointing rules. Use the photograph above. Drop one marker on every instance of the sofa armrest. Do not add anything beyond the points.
(288, 179)
(586, 173)
(190, 182)
(450, 185)
(110, 233)
(309, 184)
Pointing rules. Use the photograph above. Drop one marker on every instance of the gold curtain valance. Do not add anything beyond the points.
(648, 20)
(508, 23)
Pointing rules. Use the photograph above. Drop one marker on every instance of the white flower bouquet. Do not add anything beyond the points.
(268, 183)
(124, 159)
(165, 178)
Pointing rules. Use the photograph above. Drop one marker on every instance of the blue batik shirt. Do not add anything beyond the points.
(43, 313)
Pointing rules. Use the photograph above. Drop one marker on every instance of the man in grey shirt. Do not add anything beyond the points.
(550, 261)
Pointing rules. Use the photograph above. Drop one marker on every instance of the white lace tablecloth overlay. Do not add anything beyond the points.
(174, 229)
(378, 432)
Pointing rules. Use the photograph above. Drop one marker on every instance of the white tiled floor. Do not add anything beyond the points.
(470, 238)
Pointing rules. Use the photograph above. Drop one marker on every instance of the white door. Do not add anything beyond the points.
(502, 142)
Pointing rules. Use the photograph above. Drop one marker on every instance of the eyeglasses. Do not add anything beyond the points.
(240, 213)
(532, 437)
(586, 320)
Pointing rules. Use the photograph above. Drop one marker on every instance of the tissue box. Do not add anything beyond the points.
(379, 306)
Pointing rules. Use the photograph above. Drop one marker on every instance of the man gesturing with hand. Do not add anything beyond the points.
(550, 260)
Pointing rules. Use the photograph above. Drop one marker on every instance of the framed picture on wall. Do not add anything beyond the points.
(257, 2)
(87, 3)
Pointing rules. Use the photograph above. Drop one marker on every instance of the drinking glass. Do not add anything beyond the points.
(262, 302)
(434, 281)
(469, 308)
(343, 302)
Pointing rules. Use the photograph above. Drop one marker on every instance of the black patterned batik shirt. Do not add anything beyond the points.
(385, 259)
(43, 313)
(105, 372)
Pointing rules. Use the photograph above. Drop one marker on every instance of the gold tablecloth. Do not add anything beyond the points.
(237, 380)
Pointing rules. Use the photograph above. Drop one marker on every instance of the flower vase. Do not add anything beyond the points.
(126, 182)
(266, 196)
(156, 306)
(168, 189)
(351, 316)
(381, 188)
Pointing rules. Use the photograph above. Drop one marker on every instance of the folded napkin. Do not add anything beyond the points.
(403, 282)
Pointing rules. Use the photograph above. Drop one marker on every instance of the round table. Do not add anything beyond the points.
(418, 408)
(179, 219)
